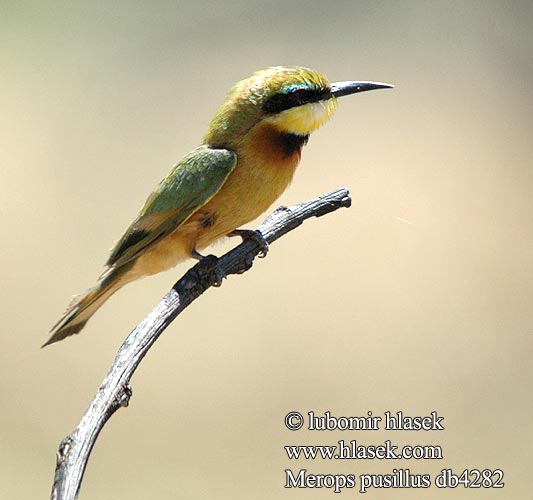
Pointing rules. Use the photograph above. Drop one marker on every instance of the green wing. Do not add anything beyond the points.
(188, 186)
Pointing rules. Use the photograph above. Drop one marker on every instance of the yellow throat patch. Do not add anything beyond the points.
(303, 120)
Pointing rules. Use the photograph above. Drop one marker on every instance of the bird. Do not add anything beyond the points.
(246, 159)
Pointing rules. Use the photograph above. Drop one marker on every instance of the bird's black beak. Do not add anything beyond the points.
(339, 89)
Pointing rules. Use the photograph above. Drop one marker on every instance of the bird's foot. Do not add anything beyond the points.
(256, 236)
(212, 265)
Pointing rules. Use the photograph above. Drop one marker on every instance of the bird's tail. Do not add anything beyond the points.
(84, 306)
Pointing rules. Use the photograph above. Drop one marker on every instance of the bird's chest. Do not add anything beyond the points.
(265, 166)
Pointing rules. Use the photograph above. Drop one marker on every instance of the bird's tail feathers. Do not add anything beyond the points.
(82, 307)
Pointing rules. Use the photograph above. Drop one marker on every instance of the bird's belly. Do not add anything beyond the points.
(240, 200)
(248, 192)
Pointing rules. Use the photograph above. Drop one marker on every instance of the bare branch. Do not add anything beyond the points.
(115, 391)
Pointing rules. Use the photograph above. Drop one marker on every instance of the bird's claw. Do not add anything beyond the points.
(256, 236)
(219, 275)
(197, 255)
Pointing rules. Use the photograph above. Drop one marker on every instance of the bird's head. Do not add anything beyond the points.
(294, 99)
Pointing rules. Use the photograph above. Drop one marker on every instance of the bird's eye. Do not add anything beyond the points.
(300, 95)
(287, 100)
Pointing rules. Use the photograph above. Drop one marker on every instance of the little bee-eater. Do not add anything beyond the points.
(246, 160)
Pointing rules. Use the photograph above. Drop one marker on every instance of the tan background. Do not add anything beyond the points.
(354, 312)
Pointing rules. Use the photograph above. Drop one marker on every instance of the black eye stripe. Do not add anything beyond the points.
(286, 100)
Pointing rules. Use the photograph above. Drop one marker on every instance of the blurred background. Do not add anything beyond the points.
(417, 298)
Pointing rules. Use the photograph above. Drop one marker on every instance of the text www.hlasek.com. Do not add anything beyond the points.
(351, 451)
